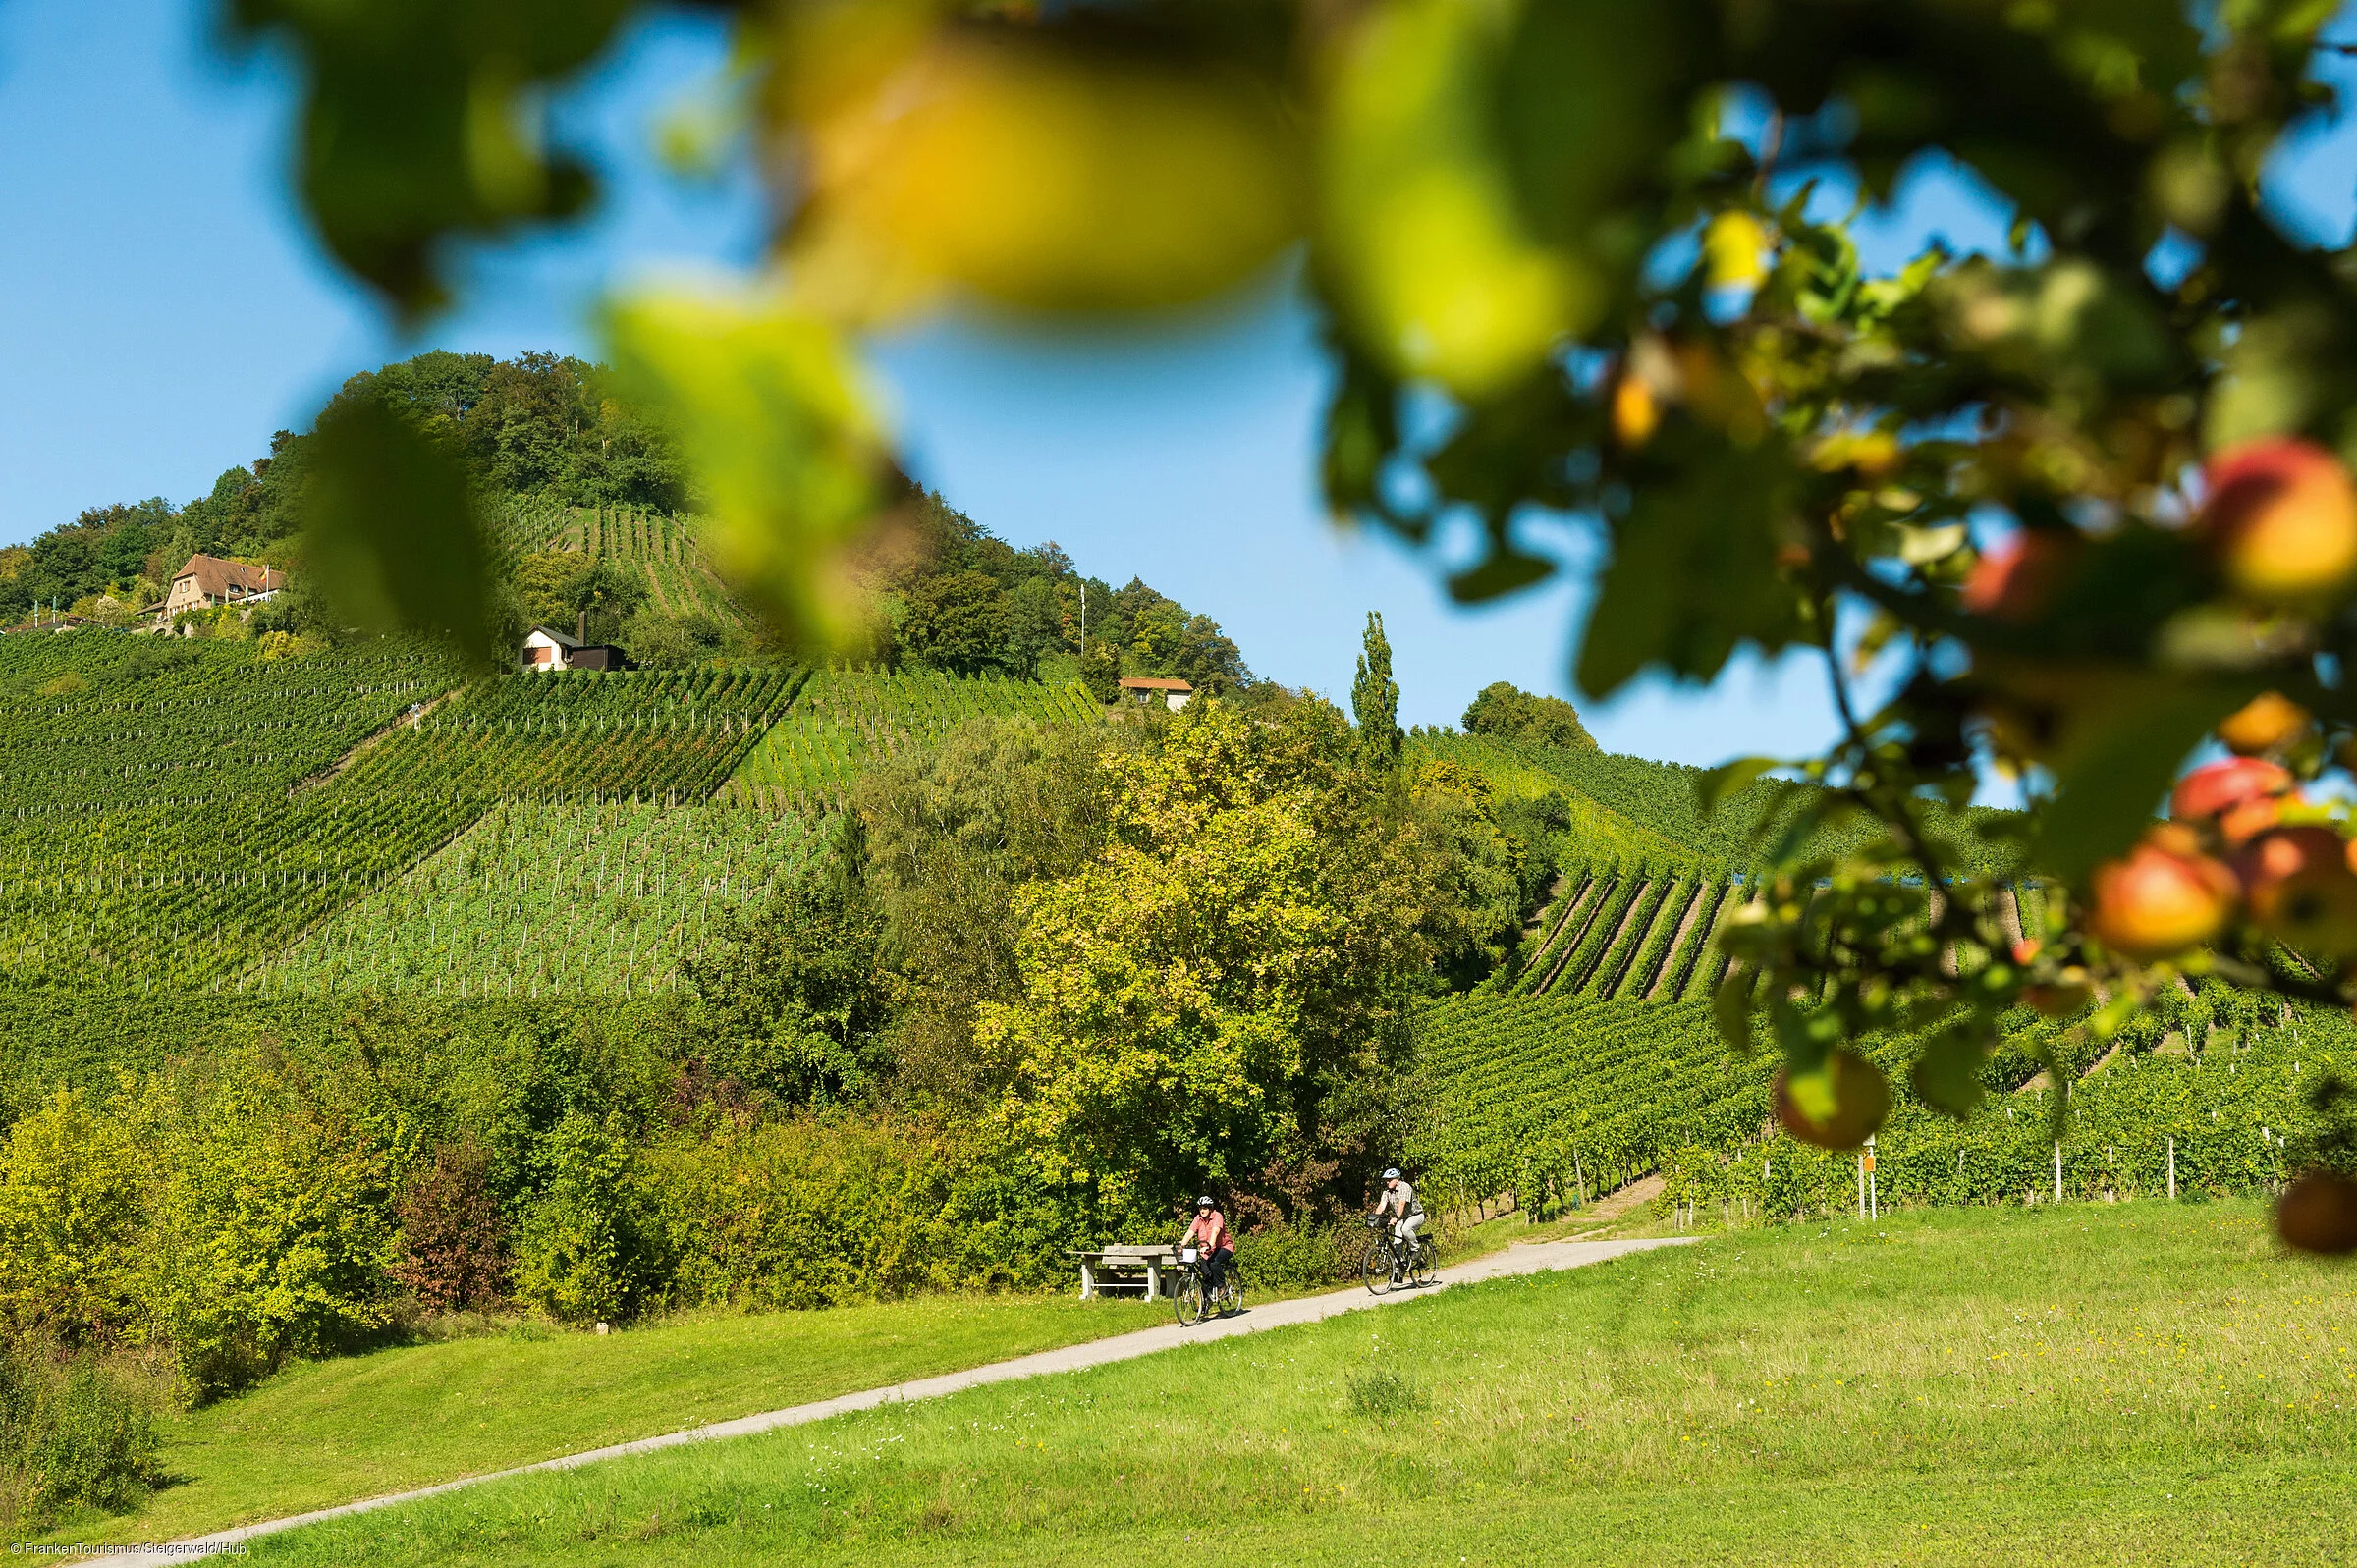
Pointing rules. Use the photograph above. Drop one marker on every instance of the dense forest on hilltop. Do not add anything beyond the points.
(546, 438)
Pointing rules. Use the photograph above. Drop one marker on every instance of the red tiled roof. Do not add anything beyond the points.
(1154, 684)
(215, 578)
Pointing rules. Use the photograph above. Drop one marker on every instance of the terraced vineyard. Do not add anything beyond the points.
(1562, 1099)
(1633, 810)
(1557, 1098)
(849, 720)
(563, 898)
(178, 811)
(660, 549)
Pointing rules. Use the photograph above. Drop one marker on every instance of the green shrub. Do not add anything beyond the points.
(588, 1248)
(809, 1213)
(270, 1233)
(71, 1215)
(1295, 1257)
(70, 1435)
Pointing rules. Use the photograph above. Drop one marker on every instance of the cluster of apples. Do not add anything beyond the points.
(2281, 522)
(2280, 525)
(2232, 850)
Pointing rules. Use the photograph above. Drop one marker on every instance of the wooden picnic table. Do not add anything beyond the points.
(1125, 1266)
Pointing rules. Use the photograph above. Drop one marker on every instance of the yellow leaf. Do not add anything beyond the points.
(1420, 229)
(1734, 249)
(770, 411)
(1038, 174)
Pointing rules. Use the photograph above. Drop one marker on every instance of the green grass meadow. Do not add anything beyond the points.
(330, 1432)
(2131, 1383)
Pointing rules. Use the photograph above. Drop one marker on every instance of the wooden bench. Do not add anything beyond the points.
(1125, 1267)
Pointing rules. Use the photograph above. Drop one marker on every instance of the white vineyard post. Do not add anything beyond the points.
(1861, 1185)
(2172, 1169)
(2057, 1170)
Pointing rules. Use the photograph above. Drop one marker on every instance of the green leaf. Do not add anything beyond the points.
(1506, 571)
(1712, 789)
(423, 119)
(391, 528)
(774, 418)
(1694, 572)
(2119, 766)
(1730, 1004)
(1947, 1075)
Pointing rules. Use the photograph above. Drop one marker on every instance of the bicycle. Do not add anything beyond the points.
(1192, 1299)
(1385, 1268)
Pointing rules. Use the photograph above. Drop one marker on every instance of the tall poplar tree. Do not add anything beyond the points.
(1375, 700)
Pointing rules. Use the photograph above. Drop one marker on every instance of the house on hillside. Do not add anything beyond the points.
(1149, 689)
(207, 582)
(544, 649)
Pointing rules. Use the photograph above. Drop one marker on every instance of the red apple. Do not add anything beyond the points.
(2017, 577)
(2069, 993)
(2269, 721)
(2219, 786)
(2317, 1212)
(2160, 897)
(1862, 1100)
(2283, 516)
(2247, 821)
(2301, 890)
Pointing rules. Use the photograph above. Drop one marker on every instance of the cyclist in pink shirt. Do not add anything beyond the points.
(1210, 1234)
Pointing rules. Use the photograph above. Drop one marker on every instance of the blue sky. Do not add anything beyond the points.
(166, 309)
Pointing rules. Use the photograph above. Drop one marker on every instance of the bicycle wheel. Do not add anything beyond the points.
(1186, 1298)
(1377, 1269)
(1236, 1289)
(1421, 1269)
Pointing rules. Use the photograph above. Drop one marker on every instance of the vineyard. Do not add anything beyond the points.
(190, 817)
(178, 812)
(660, 549)
(847, 721)
(2142, 1123)
(1632, 811)
(1558, 1101)
(1557, 1098)
(562, 898)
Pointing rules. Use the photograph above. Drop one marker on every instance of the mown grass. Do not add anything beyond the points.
(2139, 1383)
(330, 1432)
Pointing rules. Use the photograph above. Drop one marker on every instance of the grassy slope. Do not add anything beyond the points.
(1988, 1385)
(332, 1432)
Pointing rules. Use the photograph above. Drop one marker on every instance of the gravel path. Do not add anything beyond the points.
(1531, 1258)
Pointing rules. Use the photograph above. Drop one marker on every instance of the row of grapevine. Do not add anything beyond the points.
(2223, 1120)
(558, 898)
(661, 548)
(1557, 1098)
(186, 887)
(847, 721)
(99, 719)
(1641, 938)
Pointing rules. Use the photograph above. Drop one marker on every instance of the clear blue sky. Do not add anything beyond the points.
(163, 310)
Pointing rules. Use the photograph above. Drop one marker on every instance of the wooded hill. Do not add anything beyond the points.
(591, 518)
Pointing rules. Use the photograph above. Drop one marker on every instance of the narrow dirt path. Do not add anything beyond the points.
(1536, 1258)
(1678, 938)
